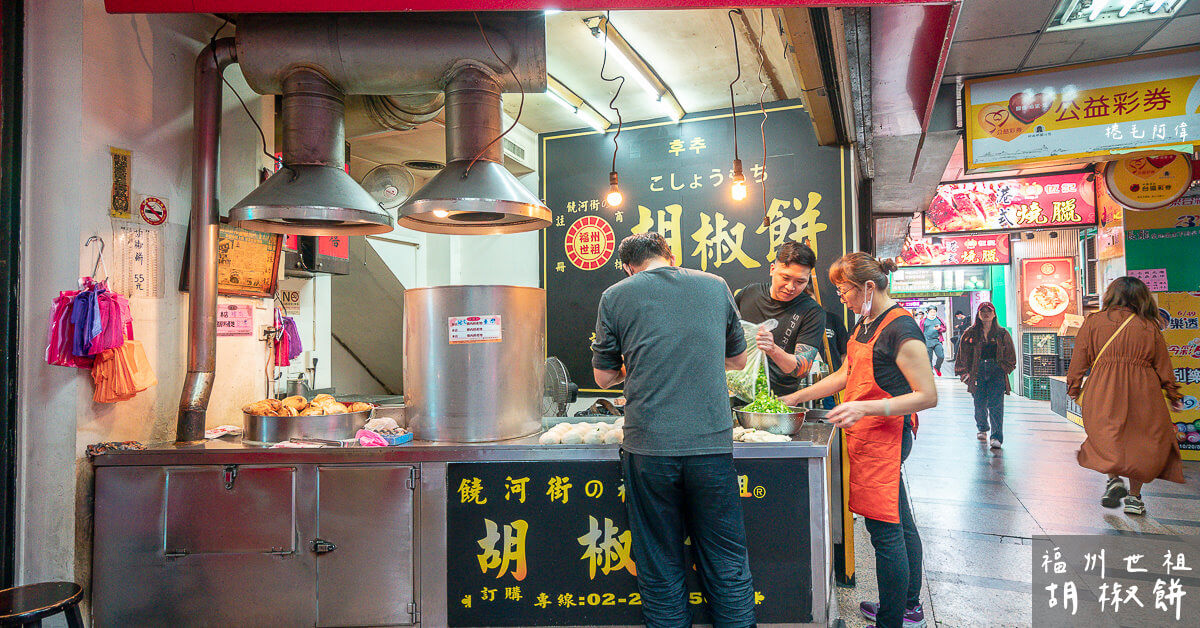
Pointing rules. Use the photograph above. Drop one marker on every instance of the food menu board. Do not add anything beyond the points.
(1053, 200)
(955, 250)
(1047, 291)
(1181, 315)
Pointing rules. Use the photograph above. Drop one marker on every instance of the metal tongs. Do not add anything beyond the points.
(318, 441)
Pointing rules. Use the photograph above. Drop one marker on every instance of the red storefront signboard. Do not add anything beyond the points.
(1053, 200)
(956, 250)
(1047, 291)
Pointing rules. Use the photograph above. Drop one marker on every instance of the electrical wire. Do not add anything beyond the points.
(738, 60)
(619, 77)
(520, 107)
(762, 128)
(211, 41)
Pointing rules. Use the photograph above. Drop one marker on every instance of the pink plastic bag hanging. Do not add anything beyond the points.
(116, 322)
(61, 333)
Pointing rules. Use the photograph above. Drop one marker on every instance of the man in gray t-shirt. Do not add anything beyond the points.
(669, 333)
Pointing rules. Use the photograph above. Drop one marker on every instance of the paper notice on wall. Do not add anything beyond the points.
(1155, 278)
(139, 271)
(235, 320)
(470, 329)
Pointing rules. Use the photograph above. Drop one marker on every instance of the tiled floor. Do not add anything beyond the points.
(977, 509)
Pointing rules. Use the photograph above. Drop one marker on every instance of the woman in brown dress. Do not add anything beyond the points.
(1129, 429)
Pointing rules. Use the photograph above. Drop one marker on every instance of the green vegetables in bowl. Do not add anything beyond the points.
(764, 400)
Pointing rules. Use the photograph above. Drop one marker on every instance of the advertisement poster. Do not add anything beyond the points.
(1167, 238)
(986, 249)
(549, 544)
(1047, 291)
(1110, 234)
(1181, 311)
(1081, 112)
(1148, 182)
(676, 181)
(1052, 200)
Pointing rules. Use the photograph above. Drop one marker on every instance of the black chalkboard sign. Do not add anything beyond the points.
(676, 180)
(548, 544)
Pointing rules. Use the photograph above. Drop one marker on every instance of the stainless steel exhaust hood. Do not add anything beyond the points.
(312, 194)
(474, 194)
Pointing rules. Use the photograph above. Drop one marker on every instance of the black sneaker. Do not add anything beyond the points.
(1113, 493)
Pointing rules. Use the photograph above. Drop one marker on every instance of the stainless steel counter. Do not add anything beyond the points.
(811, 441)
(230, 534)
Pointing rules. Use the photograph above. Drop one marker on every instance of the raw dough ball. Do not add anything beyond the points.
(612, 437)
(572, 438)
(594, 437)
(562, 427)
(550, 438)
(619, 422)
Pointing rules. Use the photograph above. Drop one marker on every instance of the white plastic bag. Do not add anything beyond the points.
(744, 383)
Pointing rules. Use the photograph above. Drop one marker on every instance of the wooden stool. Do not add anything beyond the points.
(30, 604)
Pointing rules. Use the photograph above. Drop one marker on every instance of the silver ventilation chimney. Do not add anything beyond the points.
(474, 194)
(312, 194)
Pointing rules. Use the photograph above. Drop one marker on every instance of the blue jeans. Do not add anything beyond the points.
(897, 556)
(989, 399)
(668, 499)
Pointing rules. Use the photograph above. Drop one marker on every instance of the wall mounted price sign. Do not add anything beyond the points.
(986, 249)
(1053, 200)
(548, 544)
(1047, 291)
(1082, 112)
(676, 181)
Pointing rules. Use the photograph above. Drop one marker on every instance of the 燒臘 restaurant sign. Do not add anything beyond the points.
(955, 250)
(1081, 112)
(1047, 291)
(1053, 200)
(1148, 182)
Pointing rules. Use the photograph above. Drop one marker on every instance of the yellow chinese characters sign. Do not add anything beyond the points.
(1181, 311)
(1082, 112)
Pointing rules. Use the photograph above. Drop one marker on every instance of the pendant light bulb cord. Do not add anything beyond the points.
(762, 61)
(611, 103)
(520, 107)
(737, 57)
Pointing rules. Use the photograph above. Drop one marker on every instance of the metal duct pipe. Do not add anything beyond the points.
(390, 53)
(202, 260)
(311, 194)
(474, 194)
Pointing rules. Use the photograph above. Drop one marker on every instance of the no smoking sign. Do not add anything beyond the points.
(153, 210)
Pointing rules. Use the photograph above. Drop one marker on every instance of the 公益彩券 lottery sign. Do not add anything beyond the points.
(1083, 112)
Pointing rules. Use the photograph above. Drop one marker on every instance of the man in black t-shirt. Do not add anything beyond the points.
(792, 346)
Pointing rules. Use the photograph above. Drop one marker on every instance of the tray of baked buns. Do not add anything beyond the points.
(271, 421)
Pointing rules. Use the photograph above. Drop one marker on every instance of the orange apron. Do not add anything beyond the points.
(873, 443)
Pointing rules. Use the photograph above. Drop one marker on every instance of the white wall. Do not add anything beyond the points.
(95, 80)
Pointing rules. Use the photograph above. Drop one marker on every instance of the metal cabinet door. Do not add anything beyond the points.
(367, 513)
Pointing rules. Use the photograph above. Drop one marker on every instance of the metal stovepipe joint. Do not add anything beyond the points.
(202, 259)
(473, 106)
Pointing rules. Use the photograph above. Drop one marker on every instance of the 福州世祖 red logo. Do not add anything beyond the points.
(590, 242)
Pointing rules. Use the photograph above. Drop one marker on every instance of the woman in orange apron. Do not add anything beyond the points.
(887, 379)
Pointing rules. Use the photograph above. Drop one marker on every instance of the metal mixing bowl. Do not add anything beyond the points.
(786, 423)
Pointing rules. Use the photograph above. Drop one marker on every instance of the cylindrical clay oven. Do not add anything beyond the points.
(474, 361)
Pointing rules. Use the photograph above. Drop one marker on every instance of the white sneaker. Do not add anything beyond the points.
(982, 436)
(995, 444)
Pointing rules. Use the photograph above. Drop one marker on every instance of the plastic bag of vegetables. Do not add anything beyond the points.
(745, 383)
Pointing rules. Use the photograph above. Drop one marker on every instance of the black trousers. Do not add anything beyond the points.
(669, 499)
(989, 399)
(897, 557)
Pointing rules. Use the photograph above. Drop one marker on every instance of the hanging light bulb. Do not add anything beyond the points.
(614, 198)
(738, 190)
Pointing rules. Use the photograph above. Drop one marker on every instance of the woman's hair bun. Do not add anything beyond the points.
(888, 265)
